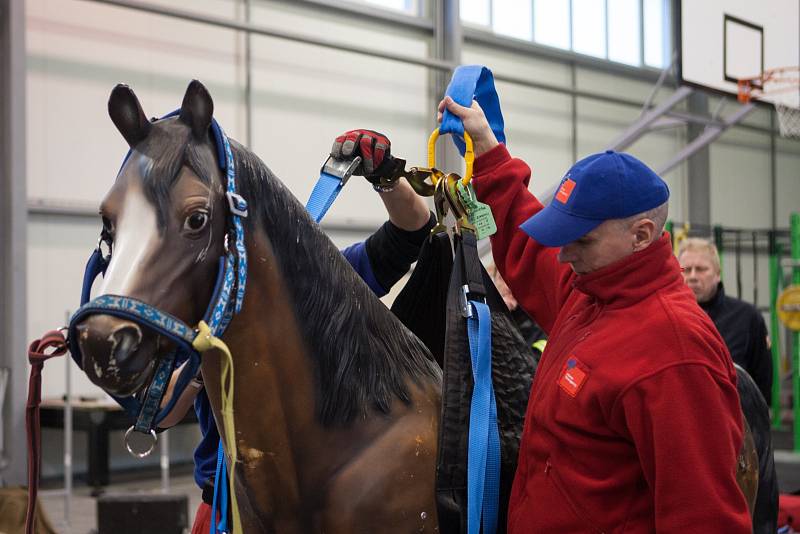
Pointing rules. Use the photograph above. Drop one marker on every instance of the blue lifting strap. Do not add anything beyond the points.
(475, 82)
(472, 82)
(483, 463)
(221, 491)
(332, 177)
(323, 195)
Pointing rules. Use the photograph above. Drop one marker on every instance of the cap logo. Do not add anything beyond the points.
(565, 190)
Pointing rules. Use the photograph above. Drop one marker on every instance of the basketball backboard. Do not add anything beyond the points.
(722, 41)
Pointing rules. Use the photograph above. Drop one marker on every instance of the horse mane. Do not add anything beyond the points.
(362, 354)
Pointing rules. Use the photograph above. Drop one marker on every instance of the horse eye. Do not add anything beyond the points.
(196, 221)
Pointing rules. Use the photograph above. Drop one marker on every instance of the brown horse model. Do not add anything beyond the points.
(336, 403)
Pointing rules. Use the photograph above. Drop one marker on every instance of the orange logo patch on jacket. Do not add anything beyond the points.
(565, 190)
(572, 377)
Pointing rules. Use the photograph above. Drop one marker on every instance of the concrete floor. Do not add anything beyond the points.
(82, 518)
(83, 511)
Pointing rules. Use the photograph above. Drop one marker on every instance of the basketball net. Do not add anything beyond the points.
(772, 82)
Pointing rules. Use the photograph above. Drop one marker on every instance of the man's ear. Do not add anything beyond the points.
(644, 233)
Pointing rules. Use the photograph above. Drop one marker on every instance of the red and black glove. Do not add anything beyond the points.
(373, 147)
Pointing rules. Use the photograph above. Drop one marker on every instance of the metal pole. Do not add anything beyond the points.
(13, 232)
(449, 40)
(795, 248)
(638, 128)
(773, 170)
(67, 432)
(707, 137)
(738, 256)
(755, 269)
(163, 438)
(774, 327)
(574, 111)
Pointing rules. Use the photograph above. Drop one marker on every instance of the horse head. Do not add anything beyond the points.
(164, 221)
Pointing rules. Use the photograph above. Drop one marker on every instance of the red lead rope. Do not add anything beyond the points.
(37, 355)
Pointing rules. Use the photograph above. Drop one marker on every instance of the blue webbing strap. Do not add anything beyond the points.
(154, 394)
(332, 177)
(220, 490)
(483, 462)
(472, 82)
(323, 195)
(97, 264)
(475, 82)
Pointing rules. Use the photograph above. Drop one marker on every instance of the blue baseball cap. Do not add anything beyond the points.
(609, 185)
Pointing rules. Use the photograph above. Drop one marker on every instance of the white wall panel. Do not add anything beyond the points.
(613, 85)
(788, 180)
(599, 123)
(305, 95)
(741, 193)
(58, 248)
(537, 123)
(78, 51)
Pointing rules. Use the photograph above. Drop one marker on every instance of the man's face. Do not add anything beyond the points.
(604, 245)
(699, 274)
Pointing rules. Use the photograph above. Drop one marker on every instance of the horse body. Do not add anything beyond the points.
(336, 403)
(373, 474)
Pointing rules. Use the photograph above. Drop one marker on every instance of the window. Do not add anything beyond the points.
(624, 41)
(476, 12)
(551, 22)
(634, 32)
(589, 27)
(656, 39)
(407, 6)
(512, 18)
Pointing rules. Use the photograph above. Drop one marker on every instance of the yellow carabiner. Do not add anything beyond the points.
(469, 155)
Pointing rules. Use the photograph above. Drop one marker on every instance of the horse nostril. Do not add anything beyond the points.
(124, 341)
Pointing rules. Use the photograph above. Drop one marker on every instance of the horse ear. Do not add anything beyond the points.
(126, 113)
(197, 109)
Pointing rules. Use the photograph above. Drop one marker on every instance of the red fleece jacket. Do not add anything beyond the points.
(633, 423)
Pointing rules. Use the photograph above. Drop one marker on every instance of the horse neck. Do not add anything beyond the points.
(275, 393)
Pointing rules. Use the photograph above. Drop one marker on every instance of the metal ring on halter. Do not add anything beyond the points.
(148, 442)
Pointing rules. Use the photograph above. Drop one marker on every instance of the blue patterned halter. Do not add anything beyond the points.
(226, 301)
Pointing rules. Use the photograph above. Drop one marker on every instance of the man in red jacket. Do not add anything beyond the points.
(633, 423)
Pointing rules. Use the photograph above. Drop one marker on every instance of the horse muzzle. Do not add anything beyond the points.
(117, 354)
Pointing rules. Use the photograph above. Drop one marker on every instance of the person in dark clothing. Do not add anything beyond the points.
(741, 325)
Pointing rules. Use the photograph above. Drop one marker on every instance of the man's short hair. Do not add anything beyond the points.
(658, 215)
(697, 244)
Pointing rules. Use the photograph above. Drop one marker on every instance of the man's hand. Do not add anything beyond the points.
(475, 124)
(373, 147)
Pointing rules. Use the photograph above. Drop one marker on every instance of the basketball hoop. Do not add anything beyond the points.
(772, 82)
